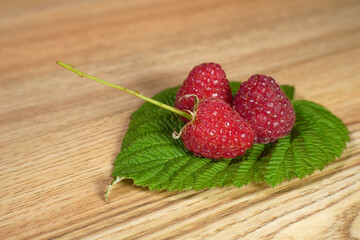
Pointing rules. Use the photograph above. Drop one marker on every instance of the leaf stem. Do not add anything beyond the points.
(157, 103)
(115, 181)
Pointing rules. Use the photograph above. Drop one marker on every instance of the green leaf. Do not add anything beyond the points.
(154, 159)
(234, 87)
(289, 91)
(317, 138)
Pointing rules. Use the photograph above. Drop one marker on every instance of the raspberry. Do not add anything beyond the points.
(262, 103)
(205, 80)
(217, 131)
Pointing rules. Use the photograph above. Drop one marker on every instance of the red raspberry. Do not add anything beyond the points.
(262, 103)
(217, 131)
(205, 80)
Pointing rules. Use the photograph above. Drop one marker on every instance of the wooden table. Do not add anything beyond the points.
(60, 134)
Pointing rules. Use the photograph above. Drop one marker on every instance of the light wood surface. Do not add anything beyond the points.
(60, 134)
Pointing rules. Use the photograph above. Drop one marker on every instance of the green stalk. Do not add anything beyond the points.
(157, 103)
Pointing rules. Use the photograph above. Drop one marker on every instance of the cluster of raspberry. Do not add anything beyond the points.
(223, 126)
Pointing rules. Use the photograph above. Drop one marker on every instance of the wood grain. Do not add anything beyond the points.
(60, 134)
